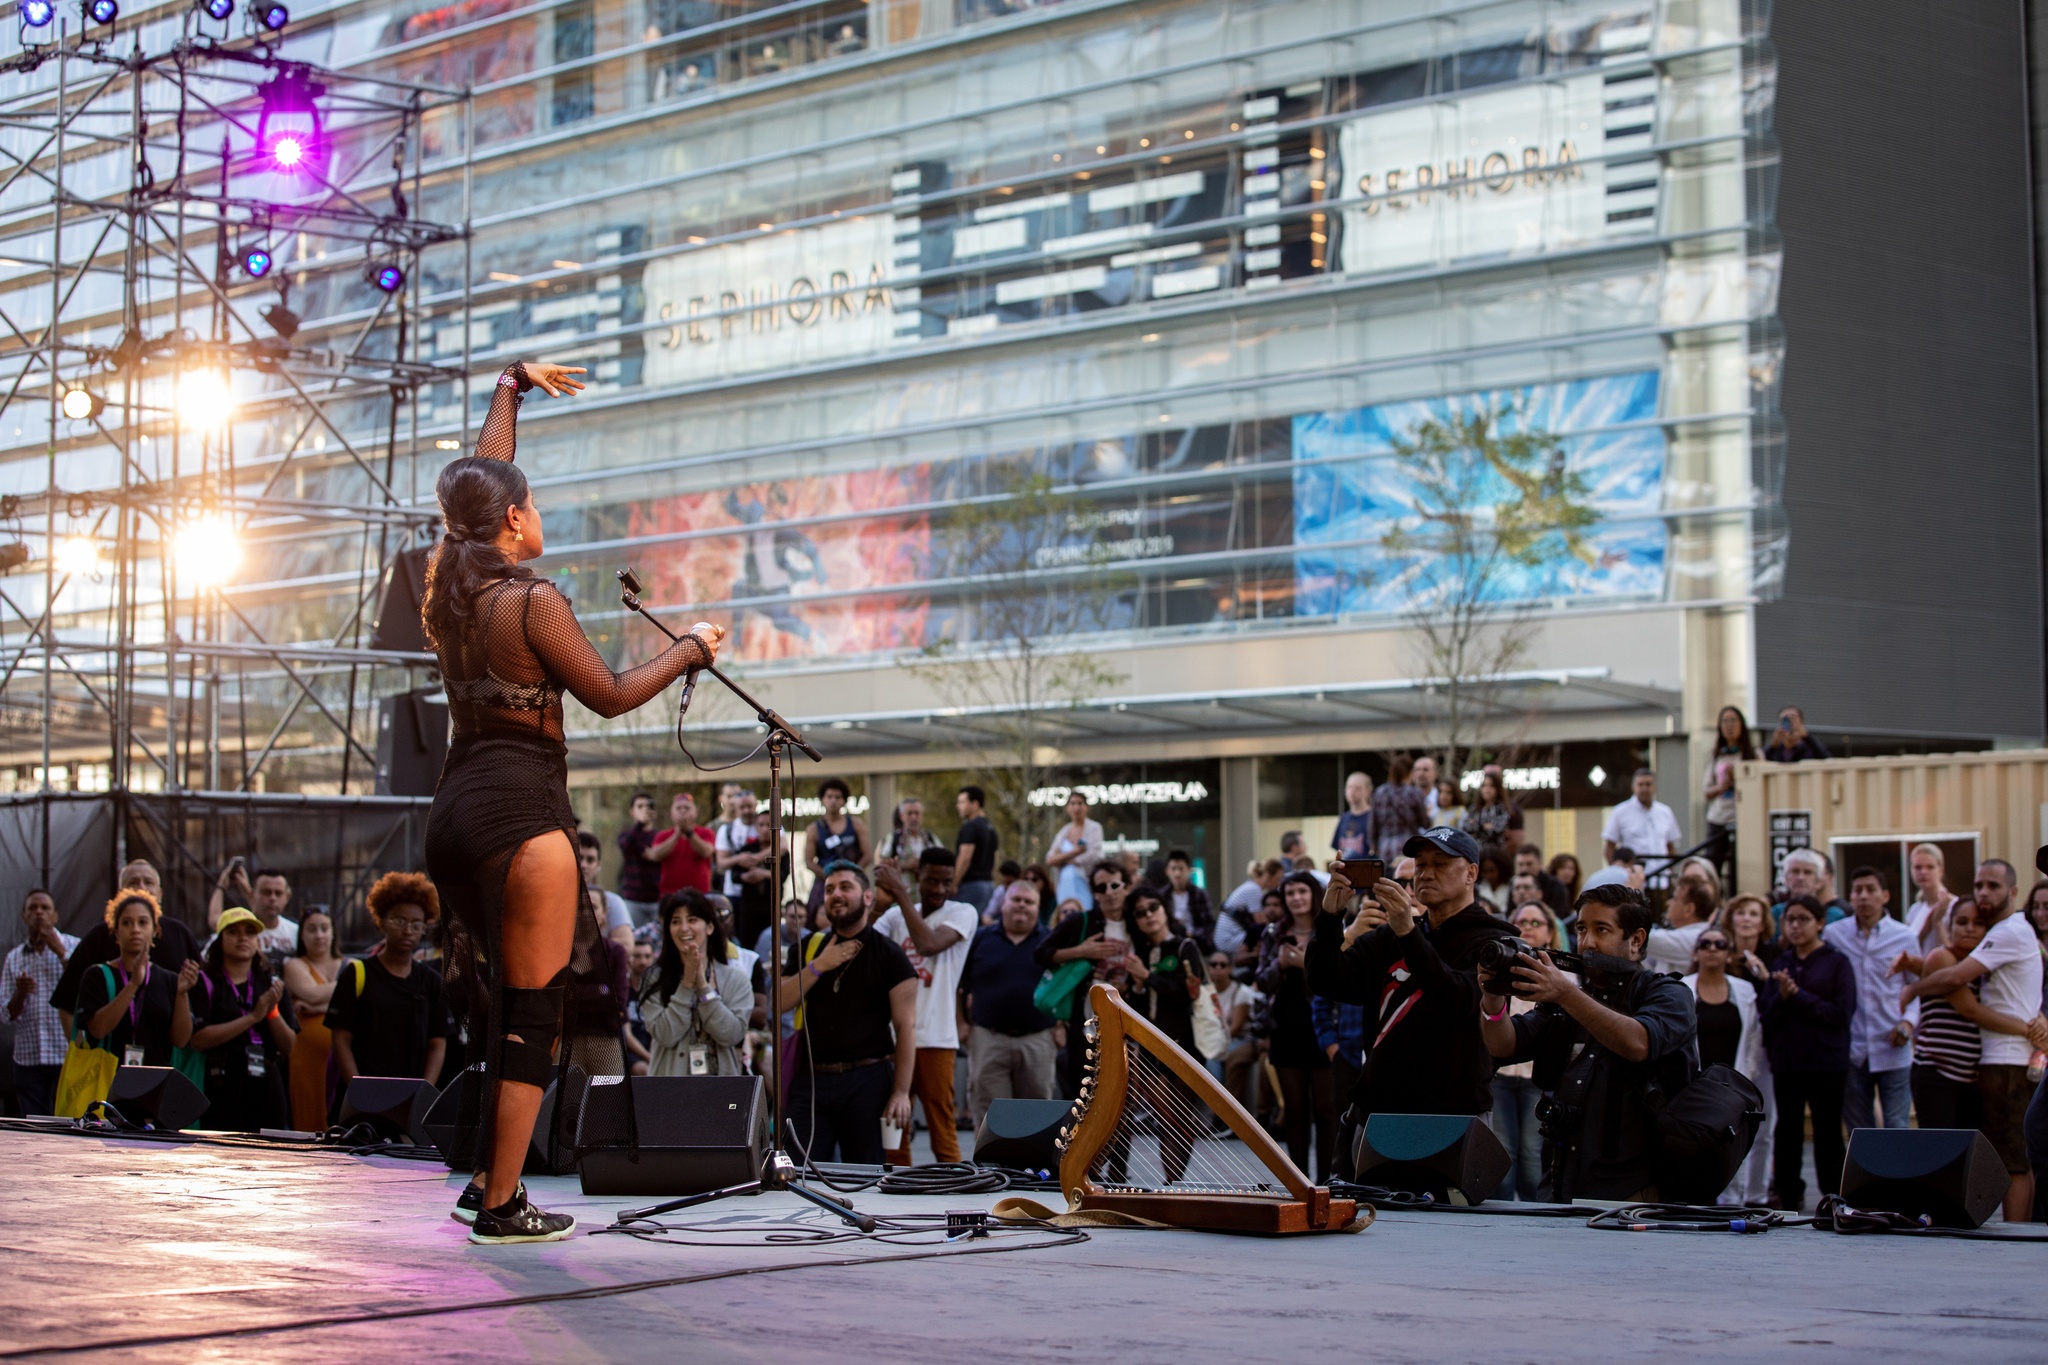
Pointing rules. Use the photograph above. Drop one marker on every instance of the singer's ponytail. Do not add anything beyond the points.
(474, 493)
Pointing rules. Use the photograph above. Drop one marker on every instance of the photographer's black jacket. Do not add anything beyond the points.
(1609, 1127)
(1423, 1052)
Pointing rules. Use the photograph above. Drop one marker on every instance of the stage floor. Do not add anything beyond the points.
(107, 1243)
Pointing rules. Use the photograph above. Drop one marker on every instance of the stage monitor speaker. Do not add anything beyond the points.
(1454, 1157)
(1021, 1134)
(412, 742)
(1951, 1175)
(449, 1126)
(396, 1106)
(398, 620)
(671, 1135)
(159, 1097)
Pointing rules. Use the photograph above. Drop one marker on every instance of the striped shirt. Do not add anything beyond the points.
(1946, 1041)
(38, 1033)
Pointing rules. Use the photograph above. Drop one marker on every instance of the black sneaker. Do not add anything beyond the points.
(521, 1223)
(472, 1202)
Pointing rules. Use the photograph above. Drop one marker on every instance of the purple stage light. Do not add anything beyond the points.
(102, 11)
(288, 133)
(274, 17)
(37, 13)
(388, 278)
(256, 260)
(219, 9)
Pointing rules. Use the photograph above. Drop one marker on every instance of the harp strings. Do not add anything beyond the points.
(1168, 1139)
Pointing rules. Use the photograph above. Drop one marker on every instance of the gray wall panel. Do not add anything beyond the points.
(1913, 472)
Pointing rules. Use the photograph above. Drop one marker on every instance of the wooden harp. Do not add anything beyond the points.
(1144, 1141)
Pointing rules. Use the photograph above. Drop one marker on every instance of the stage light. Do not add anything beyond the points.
(387, 277)
(204, 401)
(274, 17)
(208, 550)
(256, 260)
(38, 13)
(82, 404)
(288, 130)
(102, 11)
(218, 9)
(78, 556)
(13, 555)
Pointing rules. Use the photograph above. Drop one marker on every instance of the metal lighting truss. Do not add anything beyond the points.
(139, 191)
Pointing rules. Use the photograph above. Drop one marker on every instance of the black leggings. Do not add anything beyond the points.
(1797, 1092)
(1306, 1091)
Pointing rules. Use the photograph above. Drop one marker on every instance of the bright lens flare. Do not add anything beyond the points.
(78, 557)
(78, 404)
(209, 550)
(289, 151)
(204, 402)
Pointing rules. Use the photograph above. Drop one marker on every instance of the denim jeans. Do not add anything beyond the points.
(1894, 1091)
(1514, 1122)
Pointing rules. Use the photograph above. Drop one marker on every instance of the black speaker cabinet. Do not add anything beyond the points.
(1951, 1175)
(1020, 1134)
(671, 1135)
(412, 743)
(157, 1097)
(449, 1126)
(394, 1105)
(1451, 1156)
(398, 619)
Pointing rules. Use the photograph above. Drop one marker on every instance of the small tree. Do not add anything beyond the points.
(1492, 504)
(1012, 656)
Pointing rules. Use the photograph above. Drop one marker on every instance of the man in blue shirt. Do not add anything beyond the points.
(1009, 1048)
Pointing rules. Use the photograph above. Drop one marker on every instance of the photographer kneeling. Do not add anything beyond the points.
(1637, 1031)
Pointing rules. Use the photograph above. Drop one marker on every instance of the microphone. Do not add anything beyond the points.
(690, 678)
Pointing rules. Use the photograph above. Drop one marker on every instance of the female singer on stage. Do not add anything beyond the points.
(500, 836)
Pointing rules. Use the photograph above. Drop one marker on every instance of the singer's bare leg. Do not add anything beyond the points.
(539, 930)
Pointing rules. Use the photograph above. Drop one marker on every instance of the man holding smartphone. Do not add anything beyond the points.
(1413, 967)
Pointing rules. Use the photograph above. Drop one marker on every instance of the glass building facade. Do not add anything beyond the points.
(848, 275)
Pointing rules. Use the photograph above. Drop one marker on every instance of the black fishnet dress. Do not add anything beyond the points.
(506, 776)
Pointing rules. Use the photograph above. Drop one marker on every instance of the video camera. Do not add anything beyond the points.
(1601, 973)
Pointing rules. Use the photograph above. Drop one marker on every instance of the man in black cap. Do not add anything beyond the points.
(1414, 971)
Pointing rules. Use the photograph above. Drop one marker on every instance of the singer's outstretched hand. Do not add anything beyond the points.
(710, 636)
(554, 380)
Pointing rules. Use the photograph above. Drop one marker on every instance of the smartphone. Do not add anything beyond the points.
(1363, 873)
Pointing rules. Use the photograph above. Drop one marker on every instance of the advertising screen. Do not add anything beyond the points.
(1351, 494)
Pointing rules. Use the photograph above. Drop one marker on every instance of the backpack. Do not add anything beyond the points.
(1704, 1133)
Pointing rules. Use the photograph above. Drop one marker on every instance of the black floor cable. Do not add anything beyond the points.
(944, 1177)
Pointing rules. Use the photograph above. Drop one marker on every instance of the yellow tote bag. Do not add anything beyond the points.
(88, 1069)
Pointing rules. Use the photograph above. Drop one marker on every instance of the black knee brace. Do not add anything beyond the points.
(535, 1015)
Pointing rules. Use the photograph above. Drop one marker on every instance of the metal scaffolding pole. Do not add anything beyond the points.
(211, 212)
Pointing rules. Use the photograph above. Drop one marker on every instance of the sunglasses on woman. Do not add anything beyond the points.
(1717, 945)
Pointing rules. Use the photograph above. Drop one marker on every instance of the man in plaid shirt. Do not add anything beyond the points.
(33, 968)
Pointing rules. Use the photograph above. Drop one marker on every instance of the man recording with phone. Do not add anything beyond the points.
(1603, 1046)
(1413, 968)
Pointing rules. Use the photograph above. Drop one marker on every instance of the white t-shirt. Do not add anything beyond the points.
(938, 977)
(731, 838)
(282, 941)
(2011, 957)
(1670, 950)
(1651, 829)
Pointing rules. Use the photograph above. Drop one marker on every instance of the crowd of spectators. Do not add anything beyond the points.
(909, 981)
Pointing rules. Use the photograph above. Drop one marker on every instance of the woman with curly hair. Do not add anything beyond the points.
(388, 1015)
(500, 837)
(125, 1005)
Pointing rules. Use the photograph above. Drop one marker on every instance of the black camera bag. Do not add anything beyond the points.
(1704, 1134)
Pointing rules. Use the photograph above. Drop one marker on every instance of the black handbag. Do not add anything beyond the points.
(1704, 1133)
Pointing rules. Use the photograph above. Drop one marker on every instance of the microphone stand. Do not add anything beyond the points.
(778, 1171)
